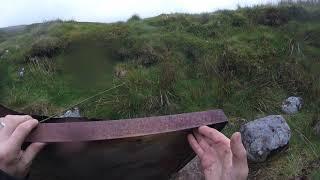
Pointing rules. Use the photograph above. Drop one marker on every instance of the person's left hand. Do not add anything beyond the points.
(13, 132)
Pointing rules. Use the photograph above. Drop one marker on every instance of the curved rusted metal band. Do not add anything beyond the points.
(115, 129)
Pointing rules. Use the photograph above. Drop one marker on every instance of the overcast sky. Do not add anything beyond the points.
(17, 12)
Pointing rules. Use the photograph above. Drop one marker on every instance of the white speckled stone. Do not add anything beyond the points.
(292, 105)
(262, 136)
(75, 112)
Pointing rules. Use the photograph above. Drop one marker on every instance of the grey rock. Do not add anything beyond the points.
(264, 135)
(21, 73)
(292, 105)
(7, 51)
(192, 171)
(120, 73)
(75, 112)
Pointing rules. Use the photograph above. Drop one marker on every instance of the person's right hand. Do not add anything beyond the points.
(13, 131)
(221, 158)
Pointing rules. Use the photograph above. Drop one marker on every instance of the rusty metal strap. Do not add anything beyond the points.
(115, 129)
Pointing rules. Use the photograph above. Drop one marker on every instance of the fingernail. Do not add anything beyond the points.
(32, 123)
(35, 121)
(41, 144)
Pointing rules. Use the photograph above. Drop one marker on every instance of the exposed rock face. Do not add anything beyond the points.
(75, 112)
(262, 136)
(292, 105)
(192, 171)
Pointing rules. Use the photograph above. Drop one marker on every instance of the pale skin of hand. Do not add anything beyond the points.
(221, 158)
(13, 160)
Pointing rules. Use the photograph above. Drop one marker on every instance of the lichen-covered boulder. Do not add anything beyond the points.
(262, 136)
(292, 105)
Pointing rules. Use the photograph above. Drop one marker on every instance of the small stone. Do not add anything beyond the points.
(264, 135)
(75, 112)
(21, 73)
(292, 105)
(120, 72)
(7, 51)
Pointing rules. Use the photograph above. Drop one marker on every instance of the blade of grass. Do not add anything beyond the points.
(82, 101)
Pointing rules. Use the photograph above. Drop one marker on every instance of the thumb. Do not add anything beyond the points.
(239, 154)
(239, 157)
